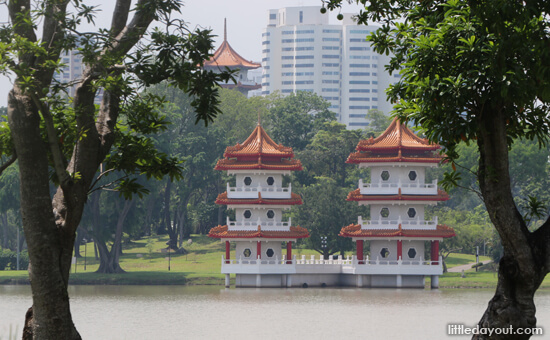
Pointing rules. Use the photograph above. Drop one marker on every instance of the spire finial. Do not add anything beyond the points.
(224, 29)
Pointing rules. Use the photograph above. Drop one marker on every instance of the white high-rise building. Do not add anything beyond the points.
(301, 51)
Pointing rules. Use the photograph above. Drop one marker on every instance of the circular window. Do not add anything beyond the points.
(247, 180)
(384, 212)
(411, 253)
(384, 252)
(412, 175)
(270, 252)
(247, 252)
(385, 175)
(247, 214)
(411, 212)
(270, 214)
(270, 180)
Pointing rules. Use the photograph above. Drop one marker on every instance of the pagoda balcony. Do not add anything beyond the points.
(393, 188)
(253, 225)
(394, 224)
(268, 192)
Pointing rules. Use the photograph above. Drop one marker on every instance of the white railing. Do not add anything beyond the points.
(384, 188)
(349, 260)
(252, 191)
(253, 225)
(394, 224)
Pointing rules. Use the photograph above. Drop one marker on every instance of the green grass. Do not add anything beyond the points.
(148, 265)
(460, 259)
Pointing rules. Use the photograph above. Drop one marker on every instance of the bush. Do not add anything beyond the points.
(8, 259)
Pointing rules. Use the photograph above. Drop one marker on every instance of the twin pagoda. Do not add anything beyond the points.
(395, 233)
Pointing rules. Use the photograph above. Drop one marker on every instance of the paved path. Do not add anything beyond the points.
(465, 267)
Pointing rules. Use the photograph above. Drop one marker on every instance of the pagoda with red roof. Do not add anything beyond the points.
(397, 196)
(226, 57)
(258, 199)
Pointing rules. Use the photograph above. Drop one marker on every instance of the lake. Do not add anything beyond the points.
(213, 312)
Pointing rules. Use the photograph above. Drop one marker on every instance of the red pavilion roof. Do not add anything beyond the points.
(258, 151)
(295, 199)
(224, 232)
(397, 144)
(354, 230)
(355, 195)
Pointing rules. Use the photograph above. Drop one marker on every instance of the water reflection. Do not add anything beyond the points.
(207, 312)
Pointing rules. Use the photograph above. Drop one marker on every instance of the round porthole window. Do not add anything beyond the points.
(247, 252)
(385, 212)
(247, 214)
(385, 175)
(270, 252)
(412, 175)
(384, 253)
(411, 212)
(270, 214)
(270, 180)
(247, 180)
(411, 253)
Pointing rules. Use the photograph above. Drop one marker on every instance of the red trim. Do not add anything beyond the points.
(259, 250)
(227, 251)
(360, 255)
(399, 250)
(294, 232)
(294, 199)
(355, 195)
(354, 230)
(289, 252)
(435, 252)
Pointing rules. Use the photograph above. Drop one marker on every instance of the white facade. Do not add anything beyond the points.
(301, 51)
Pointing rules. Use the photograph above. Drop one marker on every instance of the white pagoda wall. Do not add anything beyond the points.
(396, 173)
(258, 213)
(396, 211)
(240, 247)
(258, 179)
(377, 245)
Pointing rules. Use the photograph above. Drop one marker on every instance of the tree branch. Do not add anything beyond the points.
(8, 163)
(120, 16)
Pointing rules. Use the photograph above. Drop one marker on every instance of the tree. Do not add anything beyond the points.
(45, 132)
(379, 122)
(294, 120)
(478, 72)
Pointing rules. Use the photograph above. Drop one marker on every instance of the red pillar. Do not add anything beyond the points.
(359, 245)
(435, 252)
(399, 250)
(227, 252)
(289, 252)
(259, 250)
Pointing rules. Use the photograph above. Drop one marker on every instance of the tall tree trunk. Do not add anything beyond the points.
(171, 227)
(522, 267)
(109, 260)
(4, 226)
(50, 247)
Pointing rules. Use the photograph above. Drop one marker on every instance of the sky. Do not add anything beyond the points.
(245, 21)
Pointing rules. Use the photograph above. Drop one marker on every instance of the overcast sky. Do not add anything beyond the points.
(245, 21)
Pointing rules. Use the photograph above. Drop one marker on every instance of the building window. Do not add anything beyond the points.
(272, 16)
(412, 175)
(247, 180)
(359, 99)
(331, 48)
(385, 253)
(360, 74)
(359, 107)
(270, 252)
(304, 65)
(247, 252)
(270, 214)
(331, 56)
(331, 39)
(270, 180)
(359, 91)
(385, 175)
(385, 212)
(411, 253)
(411, 212)
(247, 214)
(301, 17)
(357, 115)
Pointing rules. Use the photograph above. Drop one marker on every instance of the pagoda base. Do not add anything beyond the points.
(331, 280)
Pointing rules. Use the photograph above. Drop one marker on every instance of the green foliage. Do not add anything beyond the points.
(8, 259)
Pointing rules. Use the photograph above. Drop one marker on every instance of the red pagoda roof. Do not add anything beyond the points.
(355, 195)
(226, 56)
(294, 200)
(258, 151)
(354, 230)
(222, 231)
(397, 144)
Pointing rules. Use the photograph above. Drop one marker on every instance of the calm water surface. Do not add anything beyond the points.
(175, 312)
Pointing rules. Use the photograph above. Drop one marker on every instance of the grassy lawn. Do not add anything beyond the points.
(146, 263)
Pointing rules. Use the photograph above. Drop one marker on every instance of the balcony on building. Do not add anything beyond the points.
(253, 224)
(389, 188)
(267, 191)
(414, 223)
